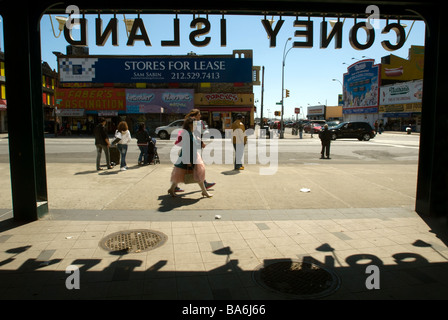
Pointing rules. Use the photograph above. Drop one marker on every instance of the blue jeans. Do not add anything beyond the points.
(143, 154)
(99, 149)
(123, 148)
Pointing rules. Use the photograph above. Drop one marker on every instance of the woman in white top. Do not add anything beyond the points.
(125, 137)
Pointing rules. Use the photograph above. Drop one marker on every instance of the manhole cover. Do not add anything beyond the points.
(297, 280)
(133, 241)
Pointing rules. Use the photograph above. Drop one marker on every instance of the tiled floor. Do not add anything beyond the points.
(208, 258)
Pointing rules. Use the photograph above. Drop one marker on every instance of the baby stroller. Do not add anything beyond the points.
(153, 156)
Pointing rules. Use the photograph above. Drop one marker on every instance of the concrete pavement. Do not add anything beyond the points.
(354, 216)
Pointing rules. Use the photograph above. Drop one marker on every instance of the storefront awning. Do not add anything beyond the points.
(399, 114)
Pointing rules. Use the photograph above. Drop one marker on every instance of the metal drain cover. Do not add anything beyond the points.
(133, 241)
(297, 280)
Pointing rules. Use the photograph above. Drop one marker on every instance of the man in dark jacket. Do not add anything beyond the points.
(102, 143)
(325, 138)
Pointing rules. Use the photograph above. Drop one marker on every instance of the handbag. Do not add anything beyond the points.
(188, 179)
(118, 137)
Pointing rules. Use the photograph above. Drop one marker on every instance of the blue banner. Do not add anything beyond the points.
(155, 70)
(361, 88)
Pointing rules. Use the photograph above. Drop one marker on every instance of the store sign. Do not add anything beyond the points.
(316, 110)
(70, 112)
(221, 98)
(401, 93)
(361, 88)
(107, 113)
(91, 99)
(155, 70)
(159, 100)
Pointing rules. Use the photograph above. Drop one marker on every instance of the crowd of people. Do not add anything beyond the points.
(189, 168)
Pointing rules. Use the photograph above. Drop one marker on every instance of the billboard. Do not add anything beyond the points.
(159, 100)
(399, 69)
(361, 87)
(154, 70)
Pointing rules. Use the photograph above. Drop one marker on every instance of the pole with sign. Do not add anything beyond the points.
(297, 111)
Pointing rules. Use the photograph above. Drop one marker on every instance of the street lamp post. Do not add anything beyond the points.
(283, 86)
(338, 81)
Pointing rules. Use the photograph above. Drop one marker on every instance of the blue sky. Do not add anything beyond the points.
(308, 71)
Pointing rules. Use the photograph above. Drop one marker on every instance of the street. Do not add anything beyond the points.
(387, 148)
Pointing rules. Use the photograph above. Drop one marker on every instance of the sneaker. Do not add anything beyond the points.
(208, 185)
(177, 189)
(241, 168)
(123, 169)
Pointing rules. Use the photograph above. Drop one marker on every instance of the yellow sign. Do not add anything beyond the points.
(404, 69)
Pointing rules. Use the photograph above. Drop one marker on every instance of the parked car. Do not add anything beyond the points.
(359, 130)
(316, 126)
(164, 132)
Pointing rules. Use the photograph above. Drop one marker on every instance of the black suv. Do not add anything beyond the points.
(359, 130)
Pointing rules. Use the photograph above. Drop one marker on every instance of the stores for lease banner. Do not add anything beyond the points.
(155, 90)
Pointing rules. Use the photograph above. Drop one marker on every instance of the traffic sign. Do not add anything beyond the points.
(297, 110)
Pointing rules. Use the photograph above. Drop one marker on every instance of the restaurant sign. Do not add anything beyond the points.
(403, 92)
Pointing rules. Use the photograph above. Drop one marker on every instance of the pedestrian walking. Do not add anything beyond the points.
(143, 140)
(196, 114)
(325, 138)
(301, 130)
(239, 140)
(189, 161)
(123, 137)
(102, 143)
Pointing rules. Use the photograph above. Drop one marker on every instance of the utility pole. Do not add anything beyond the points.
(262, 93)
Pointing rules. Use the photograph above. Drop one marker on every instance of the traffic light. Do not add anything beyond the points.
(287, 93)
(277, 113)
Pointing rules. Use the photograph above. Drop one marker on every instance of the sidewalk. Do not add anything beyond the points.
(216, 248)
